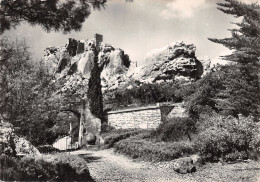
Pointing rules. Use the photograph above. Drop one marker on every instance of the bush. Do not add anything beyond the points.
(137, 147)
(228, 139)
(175, 129)
(47, 149)
(40, 169)
(111, 138)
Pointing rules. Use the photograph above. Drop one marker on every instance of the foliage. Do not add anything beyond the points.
(149, 93)
(239, 88)
(227, 138)
(25, 92)
(230, 90)
(175, 129)
(31, 169)
(94, 93)
(245, 40)
(50, 14)
(137, 147)
(112, 137)
(47, 149)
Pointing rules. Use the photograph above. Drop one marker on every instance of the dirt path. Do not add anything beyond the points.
(105, 165)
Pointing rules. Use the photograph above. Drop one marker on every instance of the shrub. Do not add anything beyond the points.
(43, 168)
(228, 139)
(137, 147)
(106, 128)
(47, 149)
(111, 138)
(213, 143)
(175, 129)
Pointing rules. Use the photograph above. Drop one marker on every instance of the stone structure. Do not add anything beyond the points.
(148, 117)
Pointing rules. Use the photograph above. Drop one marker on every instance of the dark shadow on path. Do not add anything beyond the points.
(89, 158)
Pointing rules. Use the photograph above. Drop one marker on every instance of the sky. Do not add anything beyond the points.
(142, 26)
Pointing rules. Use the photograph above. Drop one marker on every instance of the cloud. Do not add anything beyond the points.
(182, 8)
(250, 1)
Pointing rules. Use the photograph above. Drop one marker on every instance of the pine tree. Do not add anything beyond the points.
(50, 14)
(240, 84)
(245, 40)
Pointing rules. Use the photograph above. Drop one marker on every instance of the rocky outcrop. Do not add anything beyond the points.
(206, 64)
(12, 145)
(175, 61)
(81, 68)
(75, 55)
(24, 147)
(115, 67)
(7, 145)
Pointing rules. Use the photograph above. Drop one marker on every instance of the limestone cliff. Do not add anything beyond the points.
(113, 62)
(79, 68)
(174, 61)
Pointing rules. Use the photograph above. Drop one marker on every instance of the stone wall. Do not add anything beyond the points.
(143, 117)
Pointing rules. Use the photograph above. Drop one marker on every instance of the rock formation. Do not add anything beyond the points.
(80, 67)
(13, 145)
(175, 61)
(83, 67)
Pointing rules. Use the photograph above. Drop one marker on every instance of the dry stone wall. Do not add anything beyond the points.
(148, 117)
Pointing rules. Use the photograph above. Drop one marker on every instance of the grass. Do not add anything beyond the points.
(116, 135)
(141, 147)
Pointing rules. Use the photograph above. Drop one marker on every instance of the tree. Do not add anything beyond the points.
(227, 91)
(25, 91)
(240, 89)
(50, 14)
(245, 40)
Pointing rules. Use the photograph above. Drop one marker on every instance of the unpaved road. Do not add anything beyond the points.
(105, 165)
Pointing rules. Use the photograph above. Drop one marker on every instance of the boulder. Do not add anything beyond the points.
(7, 145)
(12, 145)
(91, 139)
(24, 147)
(183, 165)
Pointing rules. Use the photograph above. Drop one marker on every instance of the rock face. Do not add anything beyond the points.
(72, 58)
(81, 67)
(12, 145)
(206, 63)
(115, 67)
(175, 61)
